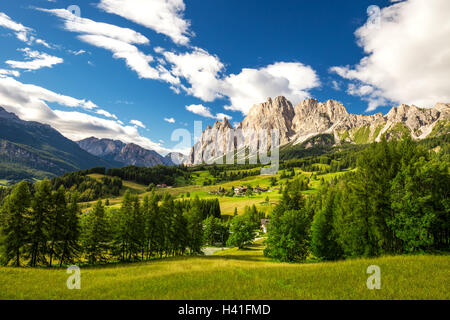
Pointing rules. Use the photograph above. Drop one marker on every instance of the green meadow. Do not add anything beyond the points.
(237, 274)
(227, 204)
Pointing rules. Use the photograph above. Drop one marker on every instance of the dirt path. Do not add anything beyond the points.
(209, 251)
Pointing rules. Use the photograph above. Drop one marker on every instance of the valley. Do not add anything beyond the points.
(140, 230)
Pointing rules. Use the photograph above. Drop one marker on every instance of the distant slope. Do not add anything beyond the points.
(122, 153)
(176, 158)
(34, 150)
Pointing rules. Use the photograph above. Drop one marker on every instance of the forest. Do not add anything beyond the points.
(396, 202)
(392, 198)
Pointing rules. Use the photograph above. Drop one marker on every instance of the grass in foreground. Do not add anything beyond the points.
(237, 274)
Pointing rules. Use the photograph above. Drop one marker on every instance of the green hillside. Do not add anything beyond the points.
(34, 150)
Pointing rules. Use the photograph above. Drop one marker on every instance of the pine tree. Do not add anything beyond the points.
(180, 232)
(167, 219)
(122, 231)
(194, 219)
(14, 230)
(55, 223)
(137, 229)
(71, 232)
(38, 223)
(210, 230)
(323, 236)
(96, 234)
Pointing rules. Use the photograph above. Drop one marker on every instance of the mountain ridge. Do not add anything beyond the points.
(30, 149)
(312, 118)
(126, 153)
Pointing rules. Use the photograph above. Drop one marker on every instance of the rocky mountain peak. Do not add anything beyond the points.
(332, 109)
(221, 125)
(272, 114)
(311, 118)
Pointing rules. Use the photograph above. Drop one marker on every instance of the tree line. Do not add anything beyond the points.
(396, 202)
(45, 226)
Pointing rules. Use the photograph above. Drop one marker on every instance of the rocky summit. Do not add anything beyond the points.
(311, 118)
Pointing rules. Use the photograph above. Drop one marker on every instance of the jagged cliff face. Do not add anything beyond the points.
(273, 114)
(126, 154)
(311, 118)
(219, 134)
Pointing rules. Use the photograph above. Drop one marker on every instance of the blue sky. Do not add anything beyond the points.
(200, 60)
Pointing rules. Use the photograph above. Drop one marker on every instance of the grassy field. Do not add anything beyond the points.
(227, 204)
(237, 274)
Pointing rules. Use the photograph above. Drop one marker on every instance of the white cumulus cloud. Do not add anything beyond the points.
(290, 79)
(205, 79)
(82, 25)
(407, 56)
(106, 114)
(200, 69)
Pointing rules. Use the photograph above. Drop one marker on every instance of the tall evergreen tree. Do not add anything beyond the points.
(55, 223)
(96, 235)
(122, 228)
(42, 206)
(71, 232)
(194, 219)
(323, 236)
(137, 229)
(13, 232)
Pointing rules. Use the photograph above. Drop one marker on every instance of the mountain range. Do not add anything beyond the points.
(311, 118)
(32, 150)
(128, 154)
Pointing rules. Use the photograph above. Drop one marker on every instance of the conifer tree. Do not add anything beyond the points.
(55, 223)
(137, 229)
(96, 234)
(323, 236)
(13, 232)
(122, 228)
(38, 223)
(194, 219)
(71, 232)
